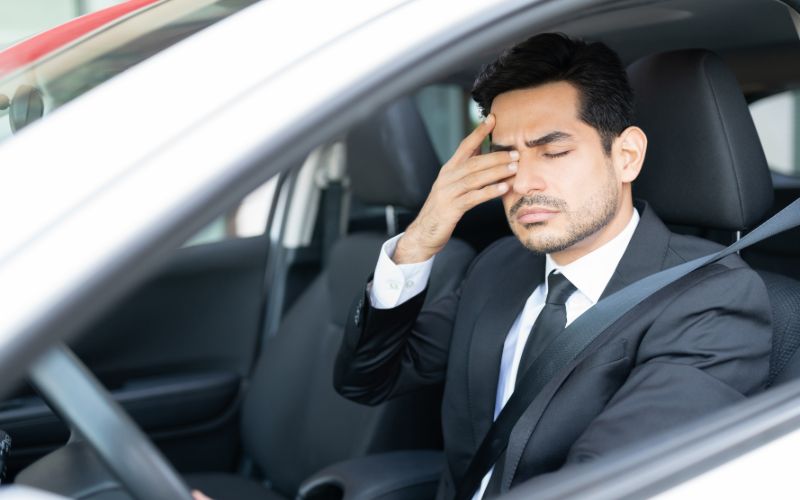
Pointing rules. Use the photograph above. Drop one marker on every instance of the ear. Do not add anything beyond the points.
(629, 151)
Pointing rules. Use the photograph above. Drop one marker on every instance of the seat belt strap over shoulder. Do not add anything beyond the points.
(569, 344)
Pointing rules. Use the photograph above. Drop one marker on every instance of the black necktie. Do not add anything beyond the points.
(551, 321)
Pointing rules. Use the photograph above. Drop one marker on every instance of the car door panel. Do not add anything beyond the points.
(167, 408)
(201, 312)
(174, 353)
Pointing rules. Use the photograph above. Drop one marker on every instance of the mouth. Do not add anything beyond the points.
(532, 215)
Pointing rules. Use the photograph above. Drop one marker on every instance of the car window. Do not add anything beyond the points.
(776, 119)
(32, 86)
(449, 114)
(247, 219)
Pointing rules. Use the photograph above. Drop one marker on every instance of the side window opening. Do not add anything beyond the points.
(245, 220)
(776, 119)
(448, 113)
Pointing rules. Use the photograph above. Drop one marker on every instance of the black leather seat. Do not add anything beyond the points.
(705, 168)
(293, 422)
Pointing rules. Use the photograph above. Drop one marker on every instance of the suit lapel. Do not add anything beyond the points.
(646, 254)
(516, 280)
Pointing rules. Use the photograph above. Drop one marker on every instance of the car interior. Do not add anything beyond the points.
(224, 356)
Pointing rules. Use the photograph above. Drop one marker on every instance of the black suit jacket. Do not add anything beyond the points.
(699, 345)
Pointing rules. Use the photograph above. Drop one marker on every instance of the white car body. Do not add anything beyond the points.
(154, 153)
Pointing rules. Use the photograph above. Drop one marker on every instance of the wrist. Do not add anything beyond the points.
(409, 251)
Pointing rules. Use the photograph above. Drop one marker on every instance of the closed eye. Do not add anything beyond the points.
(556, 155)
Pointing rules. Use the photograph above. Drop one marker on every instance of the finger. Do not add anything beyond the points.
(198, 495)
(483, 178)
(473, 141)
(476, 197)
(483, 162)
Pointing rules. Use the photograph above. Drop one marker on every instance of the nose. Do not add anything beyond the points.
(528, 179)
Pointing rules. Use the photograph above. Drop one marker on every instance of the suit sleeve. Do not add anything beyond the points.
(708, 349)
(388, 352)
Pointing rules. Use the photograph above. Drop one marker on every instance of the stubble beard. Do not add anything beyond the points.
(583, 222)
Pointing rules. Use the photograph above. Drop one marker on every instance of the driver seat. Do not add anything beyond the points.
(704, 146)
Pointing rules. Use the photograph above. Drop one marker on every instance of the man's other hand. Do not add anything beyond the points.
(466, 180)
(198, 495)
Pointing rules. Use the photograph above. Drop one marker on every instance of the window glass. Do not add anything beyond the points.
(776, 119)
(42, 73)
(247, 219)
(444, 109)
(449, 114)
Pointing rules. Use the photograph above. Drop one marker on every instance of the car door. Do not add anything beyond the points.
(176, 351)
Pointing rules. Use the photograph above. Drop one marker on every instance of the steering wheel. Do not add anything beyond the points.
(78, 397)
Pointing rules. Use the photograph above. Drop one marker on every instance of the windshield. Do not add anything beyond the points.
(81, 55)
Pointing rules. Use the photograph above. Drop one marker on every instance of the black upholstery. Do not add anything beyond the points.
(293, 421)
(704, 165)
(785, 298)
(781, 253)
(390, 157)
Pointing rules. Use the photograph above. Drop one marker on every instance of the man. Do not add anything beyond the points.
(564, 154)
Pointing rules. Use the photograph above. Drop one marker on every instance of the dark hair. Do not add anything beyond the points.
(606, 98)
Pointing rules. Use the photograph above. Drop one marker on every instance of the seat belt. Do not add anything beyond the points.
(576, 337)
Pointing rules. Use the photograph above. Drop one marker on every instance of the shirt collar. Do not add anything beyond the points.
(591, 273)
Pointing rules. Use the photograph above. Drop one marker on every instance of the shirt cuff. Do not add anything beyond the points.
(394, 284)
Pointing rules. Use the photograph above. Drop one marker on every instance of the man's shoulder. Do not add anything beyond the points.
(683, 248)
(679, 248)
(727, 283)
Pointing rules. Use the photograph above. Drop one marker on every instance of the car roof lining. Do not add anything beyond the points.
(636, 28)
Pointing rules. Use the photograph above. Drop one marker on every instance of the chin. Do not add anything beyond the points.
(538, 240)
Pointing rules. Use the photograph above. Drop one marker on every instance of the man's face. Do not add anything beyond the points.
(566, 190)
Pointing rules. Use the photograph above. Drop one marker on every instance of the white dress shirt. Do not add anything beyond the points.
(394, 284)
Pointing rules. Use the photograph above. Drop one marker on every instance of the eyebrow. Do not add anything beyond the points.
(550, 138)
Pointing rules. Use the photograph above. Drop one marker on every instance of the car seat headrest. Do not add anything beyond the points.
(390, 157)
(704, 165)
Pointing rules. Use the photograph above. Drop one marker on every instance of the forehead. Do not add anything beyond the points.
(537, 110)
